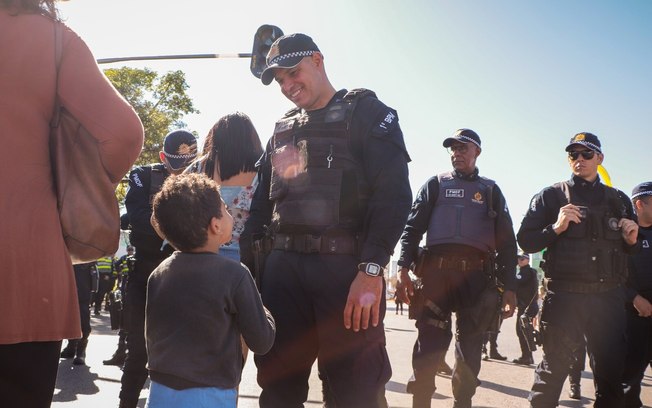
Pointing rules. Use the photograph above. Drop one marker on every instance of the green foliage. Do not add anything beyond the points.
(159, 100)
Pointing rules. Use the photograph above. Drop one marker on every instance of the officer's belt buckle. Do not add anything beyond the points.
(312, 244)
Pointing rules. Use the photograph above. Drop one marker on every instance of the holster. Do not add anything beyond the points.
(420, 264)
(417, 300)
(116, 309)
(260, 251)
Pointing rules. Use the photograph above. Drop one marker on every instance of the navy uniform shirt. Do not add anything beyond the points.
(377, 138)
(536, 232)
(419, 220)
(139, 209)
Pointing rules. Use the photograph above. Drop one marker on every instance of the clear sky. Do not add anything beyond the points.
(525, 75)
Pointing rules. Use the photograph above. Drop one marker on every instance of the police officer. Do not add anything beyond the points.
(334, 183)
(122, 265)
(639, 300)
(526, 298)
(470, 242)
(179, 150)
(105, 271)
(587, 229)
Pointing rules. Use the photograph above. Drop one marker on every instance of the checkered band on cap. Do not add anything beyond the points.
(642, 193)
(590, 145)
(280, 58)
(180, 156)
(466, 139)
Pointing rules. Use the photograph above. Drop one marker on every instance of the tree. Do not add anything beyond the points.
(160, 102)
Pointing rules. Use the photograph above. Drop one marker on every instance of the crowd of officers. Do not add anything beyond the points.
(333, 201)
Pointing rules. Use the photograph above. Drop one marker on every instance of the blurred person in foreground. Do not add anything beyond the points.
(588, 229)
(38, 298)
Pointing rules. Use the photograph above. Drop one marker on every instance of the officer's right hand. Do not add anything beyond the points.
(567, 214)
(643, 306)
(405, 288)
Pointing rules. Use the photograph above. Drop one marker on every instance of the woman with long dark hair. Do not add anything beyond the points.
(231, 150)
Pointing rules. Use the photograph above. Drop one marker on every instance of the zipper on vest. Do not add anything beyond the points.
(329, 159)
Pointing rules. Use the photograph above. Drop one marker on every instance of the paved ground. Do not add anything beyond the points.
(504, 384)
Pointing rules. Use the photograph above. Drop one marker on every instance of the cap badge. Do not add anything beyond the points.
(184, 149)
(580, 137)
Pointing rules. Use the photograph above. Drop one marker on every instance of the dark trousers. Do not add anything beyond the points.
(568, 319)
(306, 294)
(577, 365)
(475, 303)
(639, 353)
(83, 280)
(28, 373)
(134, 372)
(104, 287)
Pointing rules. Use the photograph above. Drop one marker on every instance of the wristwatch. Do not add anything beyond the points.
(371, 268)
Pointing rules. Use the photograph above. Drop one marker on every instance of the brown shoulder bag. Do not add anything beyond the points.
(88, 208)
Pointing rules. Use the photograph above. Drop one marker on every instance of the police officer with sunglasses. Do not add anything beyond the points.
(588, 229)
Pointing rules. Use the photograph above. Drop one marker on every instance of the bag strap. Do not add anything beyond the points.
(58, 46)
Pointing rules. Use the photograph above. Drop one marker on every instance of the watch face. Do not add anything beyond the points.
(373, 269)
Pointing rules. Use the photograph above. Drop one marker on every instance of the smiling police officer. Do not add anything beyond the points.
(587, 228)
(334, 188)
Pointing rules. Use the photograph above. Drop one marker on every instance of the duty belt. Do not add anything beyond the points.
(307, 244)
(462, 264)
(580, 287)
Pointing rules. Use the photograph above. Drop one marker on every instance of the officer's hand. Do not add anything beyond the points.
(509, 304)
(363, 302)
(567, 214)
(405, 287)
(643, 306)
(629, 230)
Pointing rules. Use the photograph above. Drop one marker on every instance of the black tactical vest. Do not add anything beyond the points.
(317, 180)
(463, 213)
(591, 251)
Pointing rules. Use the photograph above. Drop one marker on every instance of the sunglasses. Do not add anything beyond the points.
(586, 154)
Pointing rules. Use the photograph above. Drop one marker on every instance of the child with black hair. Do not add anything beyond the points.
(199, 303)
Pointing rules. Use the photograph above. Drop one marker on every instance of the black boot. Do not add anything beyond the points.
(495, 355)
(118, 358)
(69, 350)
(575, 392)
(80, 353)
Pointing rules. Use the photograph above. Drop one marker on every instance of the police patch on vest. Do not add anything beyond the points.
(646, 244)
(477, 198)
(454, 193)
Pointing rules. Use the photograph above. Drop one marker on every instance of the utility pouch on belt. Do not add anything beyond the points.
(420, 264)
(416, 301)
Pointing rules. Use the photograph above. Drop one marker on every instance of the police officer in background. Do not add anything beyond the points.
(334, 189)
(123, 266)
(470, 242)
(639, 300)
(588, 229)
(526, 298)
(105, 271)
(179, 150)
